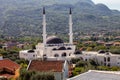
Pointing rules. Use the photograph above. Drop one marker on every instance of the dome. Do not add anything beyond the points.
(31, 51)
(101, 51)
(78, 52)
(54, 40)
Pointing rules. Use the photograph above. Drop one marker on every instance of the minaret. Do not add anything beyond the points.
(70, 27)
(44, 27)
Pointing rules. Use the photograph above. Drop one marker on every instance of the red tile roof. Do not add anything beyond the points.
(8, 64)
(46, 66)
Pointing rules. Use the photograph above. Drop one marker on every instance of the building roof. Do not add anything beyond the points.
(54, 40)
(97, 75)
(46, 66)
(9, 66)
(7, 63)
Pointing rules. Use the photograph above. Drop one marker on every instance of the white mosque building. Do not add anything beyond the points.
(52, 48)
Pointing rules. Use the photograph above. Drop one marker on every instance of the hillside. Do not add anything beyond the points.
(24, 17)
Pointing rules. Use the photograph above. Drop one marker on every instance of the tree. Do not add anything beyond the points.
(43, 76)
(33, 75)
(81, 64)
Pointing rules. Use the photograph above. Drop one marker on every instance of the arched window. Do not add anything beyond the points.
(69, 48)
(70, 54)
(64, 55)
(104, 64)
(62, 48)
(105, 59)
(108, 64)
(54, 49)
(108, 59)
(56, 55)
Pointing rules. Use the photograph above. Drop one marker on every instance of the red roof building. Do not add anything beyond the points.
(8, 68)
(59, 68)
(45, 66)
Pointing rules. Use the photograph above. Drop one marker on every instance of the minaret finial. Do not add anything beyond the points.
(70, 11)
(43, 10)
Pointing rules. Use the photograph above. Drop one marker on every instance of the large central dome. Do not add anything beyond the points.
(54, 40)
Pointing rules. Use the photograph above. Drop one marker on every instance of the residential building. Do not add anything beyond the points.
(8, 68)
(101, 57)
(60, 69)
(97, 75)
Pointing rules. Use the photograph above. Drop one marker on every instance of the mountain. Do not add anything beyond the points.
(24, 17)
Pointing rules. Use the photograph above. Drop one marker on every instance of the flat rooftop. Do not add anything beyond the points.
(97, 75)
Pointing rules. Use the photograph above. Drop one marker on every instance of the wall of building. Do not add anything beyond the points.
(58, 75)
(27, 56)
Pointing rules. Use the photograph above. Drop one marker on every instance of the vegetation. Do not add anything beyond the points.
(24, 17)
(94, 46)
(32, 75)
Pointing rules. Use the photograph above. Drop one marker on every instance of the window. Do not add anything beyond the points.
(105, 59)
(64, 55)
(70, 54)
(33, 55)
(56, 55)
(108, 59)
(104, 64)
(44, 55)
(54, 49)
(62, 48)
(69, 48)
(85, 59)
(108, 64)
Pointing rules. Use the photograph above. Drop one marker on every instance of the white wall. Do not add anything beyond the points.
(27, 56)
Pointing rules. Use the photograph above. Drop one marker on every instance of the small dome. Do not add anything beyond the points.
(101, 51)
(54, 40)
(78, 52)
(31, 51)
(62, 48)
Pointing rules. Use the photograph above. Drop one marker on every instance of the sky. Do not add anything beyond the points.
(112, 4)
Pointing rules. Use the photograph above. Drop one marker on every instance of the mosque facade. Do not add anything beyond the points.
(52, 48)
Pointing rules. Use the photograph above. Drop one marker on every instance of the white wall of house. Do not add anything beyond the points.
(27, 56)
(102, 59)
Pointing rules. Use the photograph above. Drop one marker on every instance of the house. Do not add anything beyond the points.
(28, 55)
(8, 68)
(97, 75)
(101, 57)
(116, 43)
(60, 69)
(108, 44)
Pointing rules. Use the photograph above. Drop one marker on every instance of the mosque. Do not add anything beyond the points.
(52, 48)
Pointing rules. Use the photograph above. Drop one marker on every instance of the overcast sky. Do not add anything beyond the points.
(112, 4)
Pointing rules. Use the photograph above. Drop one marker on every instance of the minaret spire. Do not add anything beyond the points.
(43, 10)
(44, 27)
(70, 27)
(70, 11)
